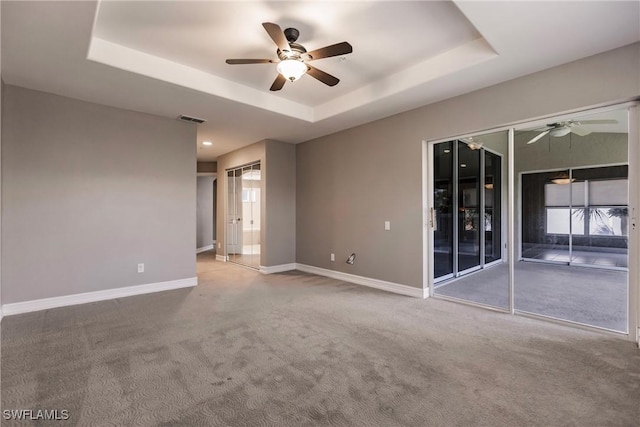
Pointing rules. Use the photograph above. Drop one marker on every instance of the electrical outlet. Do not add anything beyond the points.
(219, 245)
(333, 257)
(387, 225)
(140, 268)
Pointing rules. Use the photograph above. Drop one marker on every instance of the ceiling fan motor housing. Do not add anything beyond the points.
(291, 34)
(297, 50)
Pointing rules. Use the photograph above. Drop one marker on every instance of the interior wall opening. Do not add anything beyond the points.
(244, 192)
(560, 204)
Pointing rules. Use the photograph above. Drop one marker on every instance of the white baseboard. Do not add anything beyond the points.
(204, 249)
(366, 281)
(63, 301)
(222, 258)
(278, 268)
(1, 314)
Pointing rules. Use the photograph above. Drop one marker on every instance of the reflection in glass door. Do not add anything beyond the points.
(574, 213)
(443, 210)
(243, 215)
(467, 208)
(577, 216)
(492, 207)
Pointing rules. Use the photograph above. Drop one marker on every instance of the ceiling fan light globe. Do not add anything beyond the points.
(562, 131)
(292, 69)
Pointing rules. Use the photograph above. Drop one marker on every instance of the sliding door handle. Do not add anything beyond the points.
(432, 218)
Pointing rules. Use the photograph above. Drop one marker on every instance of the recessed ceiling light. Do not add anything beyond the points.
(447, 151)
(463, 165)
(207, 143)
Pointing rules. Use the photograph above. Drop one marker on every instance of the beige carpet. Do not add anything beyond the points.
(244, 349)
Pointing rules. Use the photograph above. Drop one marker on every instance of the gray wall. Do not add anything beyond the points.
(88, 192)
(348, 183)
(207, 167)
(278, 206)
(205, 211)
(280, 203)
(570, 151)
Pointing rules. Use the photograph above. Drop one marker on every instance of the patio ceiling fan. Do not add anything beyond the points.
(563, 128)
(294, 58)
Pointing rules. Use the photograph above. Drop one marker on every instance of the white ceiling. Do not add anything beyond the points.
(167, 58)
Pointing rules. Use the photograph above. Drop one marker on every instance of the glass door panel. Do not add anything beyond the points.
(600, 228)
(546, 227)
(492, 207)
(469, 225)
(251, 212)
(256, 188)
(243, 215)
(247, 244)
(443, 210)
(573, 217)
(234, 237)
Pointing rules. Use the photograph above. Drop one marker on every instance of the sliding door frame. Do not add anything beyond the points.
(514, 211)
(520, 228)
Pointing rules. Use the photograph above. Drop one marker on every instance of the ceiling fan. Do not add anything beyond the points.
(293, 57)
(569, 126)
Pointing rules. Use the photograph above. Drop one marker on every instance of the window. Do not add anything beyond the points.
(597, 208)
(560, 222)
(610, 221)
(248, 196)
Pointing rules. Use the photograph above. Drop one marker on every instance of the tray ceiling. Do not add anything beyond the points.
(167, 57)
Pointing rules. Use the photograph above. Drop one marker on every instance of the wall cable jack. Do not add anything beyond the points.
(352, 259)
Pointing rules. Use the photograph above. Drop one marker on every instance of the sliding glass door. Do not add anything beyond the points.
(574, 217)
(539, 219)
(443, 210)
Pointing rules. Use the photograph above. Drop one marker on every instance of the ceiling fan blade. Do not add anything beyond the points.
(580, 131)
(276, 34)
(249, 61)
(329, 51)
(278, 83)
(598, 122)
(325, 78)
(540, 135)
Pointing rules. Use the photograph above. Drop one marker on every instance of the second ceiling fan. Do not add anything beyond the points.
(293, 57)
(570, 126)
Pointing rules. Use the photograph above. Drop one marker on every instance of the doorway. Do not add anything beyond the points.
(550, 208)
(244, 189)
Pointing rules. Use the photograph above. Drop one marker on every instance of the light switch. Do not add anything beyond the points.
(387, 225)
